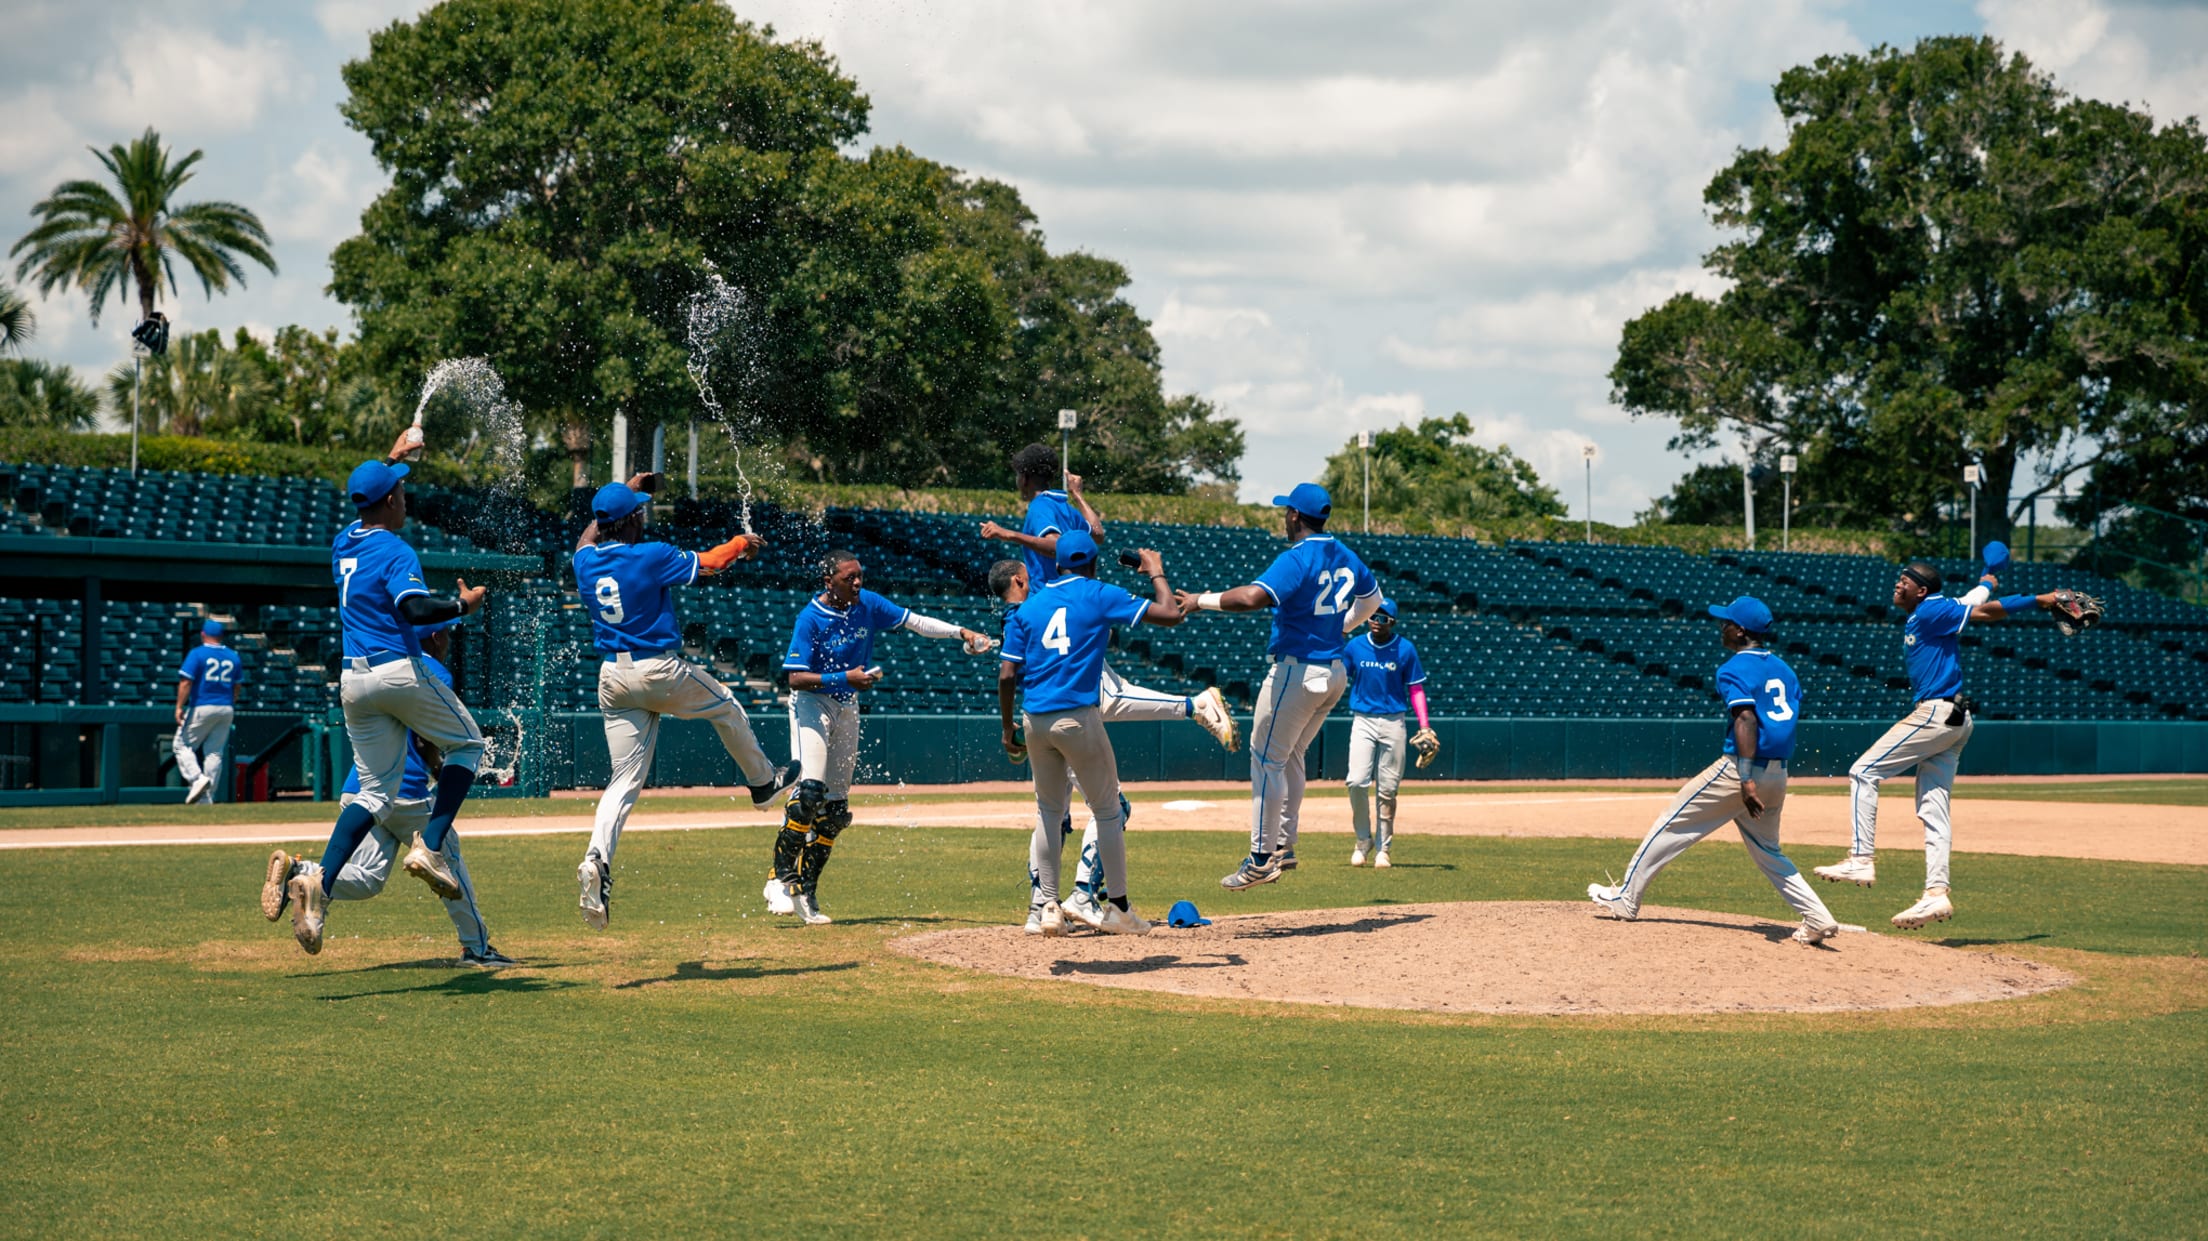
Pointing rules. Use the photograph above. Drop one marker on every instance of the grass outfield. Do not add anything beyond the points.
(172, 1062)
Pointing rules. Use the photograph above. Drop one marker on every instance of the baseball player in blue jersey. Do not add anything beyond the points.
(1385, 680)
(388, 692)
(1319, 592)
(1746, 786)
(206, 706)
(628, 587)
(1932, 736)
(828, 664)
(366, 871)
(1054, 658)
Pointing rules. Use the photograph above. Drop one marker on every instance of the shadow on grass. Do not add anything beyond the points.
(1149, 965)
(1421, 866)
(901, 920)
(471, 983)
(426, 963)
(1362, 926)
(1987, 943)
(699, 971)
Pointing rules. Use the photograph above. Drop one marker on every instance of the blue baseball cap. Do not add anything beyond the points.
(372, 481)
(212, 629)
(615, 501)
(1184, 914)
(1387, 608)
(1748, 612)
(1997, 556)
(1309, 499)
(1075, 548)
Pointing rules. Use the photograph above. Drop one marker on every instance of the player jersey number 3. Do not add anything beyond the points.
(609, 601)
(1780, 708)
(1334, 588)
(1054, 633)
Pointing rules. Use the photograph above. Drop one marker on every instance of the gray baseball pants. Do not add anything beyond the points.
(1063, 746)
(205, 730)
(1923, 739)
(634, 694)
(382, 704)
(367, 870)
(1376, 748)
(1710, 800)
(1291, 708)
(824, 740)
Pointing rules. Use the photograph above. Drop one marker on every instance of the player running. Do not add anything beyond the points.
(369, 867)
(1051, 513)
(1319, 592)
(1054, 657)
(1746, 786)
(829, 662)
(1932, 736)
(628, 586)
(1385, 680)
(388, 692)
(206, 706)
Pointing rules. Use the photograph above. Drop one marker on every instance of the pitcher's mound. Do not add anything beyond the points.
(1507, 957)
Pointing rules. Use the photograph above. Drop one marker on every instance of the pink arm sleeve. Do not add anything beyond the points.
(1418, 704)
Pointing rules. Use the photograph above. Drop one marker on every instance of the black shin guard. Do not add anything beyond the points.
(834, 818)
(788, 844)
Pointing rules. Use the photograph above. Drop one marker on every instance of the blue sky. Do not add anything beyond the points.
(1336, 216)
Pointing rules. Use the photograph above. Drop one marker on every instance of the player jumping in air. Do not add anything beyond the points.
(206, 705)
(1932, 736)
(628, 586)
(388, 692)
(1054, 657)
(1385, 680)
(1746, 786)
(1319, 592)
(829, 663)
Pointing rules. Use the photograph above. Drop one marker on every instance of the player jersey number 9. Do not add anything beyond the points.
(1779, 708)
(609, 601)
(1334, 588)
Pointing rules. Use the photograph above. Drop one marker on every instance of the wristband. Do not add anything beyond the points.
(2019, 603)
(1208, 601)
(835, 682)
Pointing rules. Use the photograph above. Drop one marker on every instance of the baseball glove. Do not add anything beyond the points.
(1427, 745)
(2075, 612)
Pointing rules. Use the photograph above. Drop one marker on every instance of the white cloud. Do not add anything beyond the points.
(186, 82)
(1567, 332)
(318, 200)
(2152, 56)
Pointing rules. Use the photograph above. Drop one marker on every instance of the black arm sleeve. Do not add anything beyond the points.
(428, 609)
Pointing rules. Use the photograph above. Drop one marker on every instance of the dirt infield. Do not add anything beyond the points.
(1527, 957)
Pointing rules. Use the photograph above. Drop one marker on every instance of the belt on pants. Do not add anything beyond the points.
(362, 663)
(630, 657)
(1299, 659)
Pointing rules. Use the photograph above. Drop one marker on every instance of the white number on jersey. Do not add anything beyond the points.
(609, 601)
(1054, 633)
(1334, 588)
(219, 670)
(345, 570)
(1780, 709)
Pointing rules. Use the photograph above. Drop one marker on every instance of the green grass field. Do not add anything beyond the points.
(173, 1062)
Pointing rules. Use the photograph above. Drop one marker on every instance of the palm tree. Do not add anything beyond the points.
(89, 238)
(41, 394)
(200, 387)
(17, 323)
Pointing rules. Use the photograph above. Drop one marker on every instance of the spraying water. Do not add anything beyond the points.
(494, 420)
(716, 314)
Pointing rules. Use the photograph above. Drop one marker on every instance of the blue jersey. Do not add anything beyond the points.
(1381, 677)
(1312, 584)
(374, 569)
(1931, 641)
(1050, 512)
(414, 784)
(1062, 632)
(828, 639)
(213, 672)
(1757, 678)
(630, 591)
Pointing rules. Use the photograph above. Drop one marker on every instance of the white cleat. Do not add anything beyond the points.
(592, 876)
(778, 897)
(1357, 856)
(200, 790)
(809, 909)
(1119, 921)
(1211, 711)
(276, 888)
(1855, 868)
(1611, 901)
(429, 866)
(1034, 923)
(306, 910)
(1054, 920)
(1810, 936)
(1932, 907)
(1085, 909)
(1380, 860)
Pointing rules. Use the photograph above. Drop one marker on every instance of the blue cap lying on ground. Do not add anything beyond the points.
(1184, 914)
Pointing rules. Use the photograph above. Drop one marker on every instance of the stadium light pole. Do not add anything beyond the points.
(693, 458)
(1787, 462)
(1970, 476)
(1587, 455)
(1748, 490)
(1067, 420)
(1364, 443)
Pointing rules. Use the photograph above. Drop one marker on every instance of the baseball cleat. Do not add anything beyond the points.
(1611, 901)
(597, 888)
(1285, 860)
(306, 910)
(1210, 709)
(1084, 908)
(1808, 935)
(1119, 921)
(778, 898)
(1251, 873)
(1380, 860)
(762, 794)
(430, 867)
(1357, 856)
(488, 959)
(808, 908)
(1034, 923)
(1054, 922)
(275, 889)
(200, 789)
(1855, 868)
(1931, 907)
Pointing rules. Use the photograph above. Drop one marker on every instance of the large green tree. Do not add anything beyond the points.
(1435, 470)
(1950, 260)
(127, 239)
(199, 387)
(47, 396)
(566, 177)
